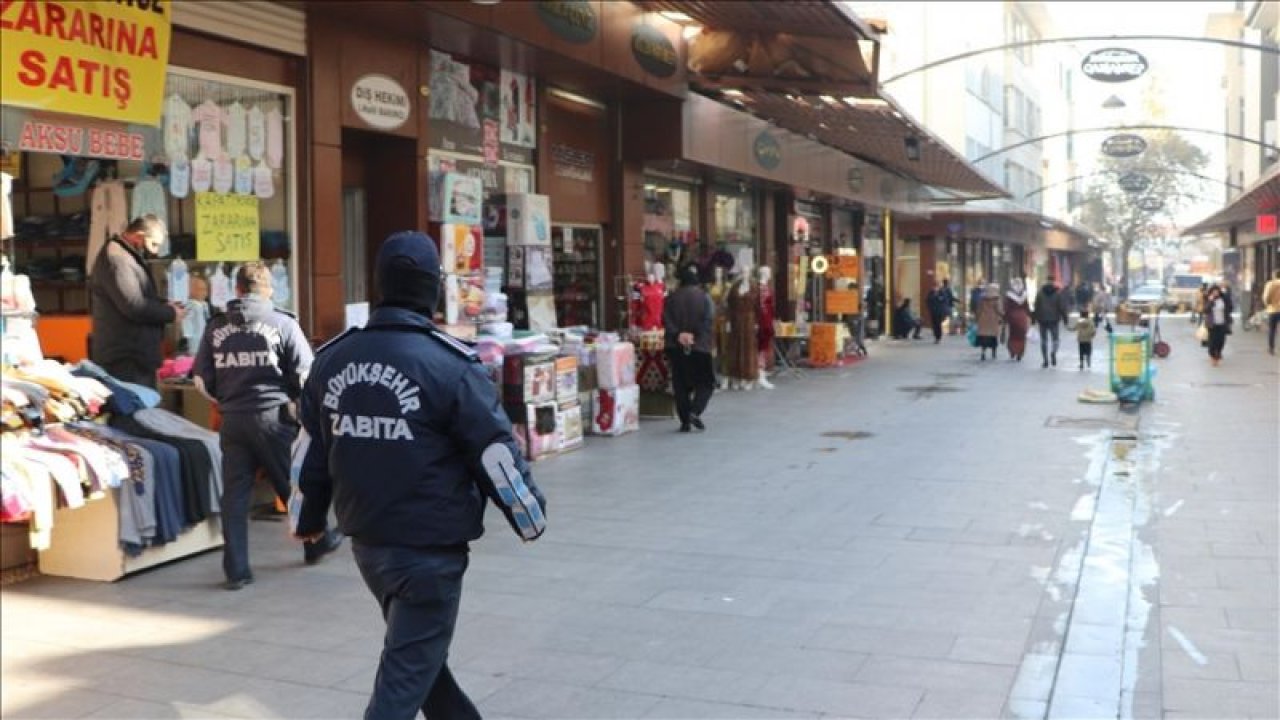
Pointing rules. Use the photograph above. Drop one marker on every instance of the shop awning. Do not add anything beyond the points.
(810, 66)
(1262, 198)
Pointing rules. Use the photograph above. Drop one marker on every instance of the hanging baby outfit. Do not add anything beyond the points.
(219, 288)
(148, 199)
(280, 290)
(179, 281)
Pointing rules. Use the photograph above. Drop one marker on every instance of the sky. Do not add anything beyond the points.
(1188, 73)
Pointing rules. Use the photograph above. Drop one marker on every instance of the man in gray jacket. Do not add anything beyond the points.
(1052, 306)
(687, 317)
(128, 313)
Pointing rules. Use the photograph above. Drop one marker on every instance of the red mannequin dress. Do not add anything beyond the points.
(765, 315)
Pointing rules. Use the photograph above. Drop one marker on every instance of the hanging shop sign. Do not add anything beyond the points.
(380, 102)
(843, 302)
(767, 150)
(1266, 224)
(570, 20)
(81, 139)
(653, 50)
(573, 163)
(99, 59)
(1124, 145)
(853, 178)
(226, 227)
(1149, 203)
(1134, 182)
(1114, 65)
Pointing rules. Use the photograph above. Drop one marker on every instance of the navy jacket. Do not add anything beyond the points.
(253, 357)
(395, 420)
(129, 314)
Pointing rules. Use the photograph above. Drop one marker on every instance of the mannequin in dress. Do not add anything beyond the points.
(743, 341)
(764, 319)
(719, 291)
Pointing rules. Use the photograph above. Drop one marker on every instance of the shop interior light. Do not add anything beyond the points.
(865, 102)
(650, 187)
(691, 31)
(576, 98)
(828, 99)
(911, 145)
(676, 16)
(732, 92)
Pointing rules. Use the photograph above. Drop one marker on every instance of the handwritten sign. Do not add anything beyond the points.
(226, 227)
(1128, 359)
(842, 302)
(100, 59)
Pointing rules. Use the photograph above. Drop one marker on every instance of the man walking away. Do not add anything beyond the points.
(939, 301)
(687, 318)
(402, 431)
(252, 362)
(1271, 298)
(1051, 308)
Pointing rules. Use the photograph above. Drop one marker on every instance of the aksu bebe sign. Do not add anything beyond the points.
(101, 59)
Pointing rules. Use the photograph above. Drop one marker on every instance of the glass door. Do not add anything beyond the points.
(577, 267)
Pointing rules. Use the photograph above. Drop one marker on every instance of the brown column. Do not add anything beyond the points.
(326, 318)
(625, 254)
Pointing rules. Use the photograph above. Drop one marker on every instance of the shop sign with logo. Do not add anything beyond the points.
(1266, 224)
(1114, 65)
(853, 178)
(380, 102)
(653, 50)
(85, 140)
(767, 150)
(99, 59)
(1124, 145)
(570, 20)
(573, 163)
(1134, 183)
(1149, 203)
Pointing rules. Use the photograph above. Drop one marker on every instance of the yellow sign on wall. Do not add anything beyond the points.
(227, 227)
(88, 57)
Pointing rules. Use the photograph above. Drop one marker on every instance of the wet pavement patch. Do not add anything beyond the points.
(927, 390)
(1224, 385)
(847, 434)
(952, 375)
(825, 450)
(1091, 423)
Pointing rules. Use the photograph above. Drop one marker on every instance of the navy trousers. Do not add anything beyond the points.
(419, 591)
(250, 441)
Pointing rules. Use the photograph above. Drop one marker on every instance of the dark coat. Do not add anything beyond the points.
(1052, 305)
(688, 309)
(128, 313)
(253, 357)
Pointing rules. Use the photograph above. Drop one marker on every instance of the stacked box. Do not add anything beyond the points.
(527, 379)
(537, 436)
(615, 365)
(566, 381)
(569, 434)
(615, 411)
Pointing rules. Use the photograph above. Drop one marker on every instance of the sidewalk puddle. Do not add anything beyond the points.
(922, 391)
(847, 434)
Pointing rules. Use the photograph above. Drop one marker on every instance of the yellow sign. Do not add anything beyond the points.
(842, 302)
(88, 57)
(226, 227)
(822, 344)
(1128, 359)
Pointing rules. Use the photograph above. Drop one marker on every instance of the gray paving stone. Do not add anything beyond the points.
(682, 709)
(530, 699)
(952, 704)
(938, 674)
(1212, 698)
(684, 681)
(147, 710)
(838, 699)
(1176, 663)
(883, 641)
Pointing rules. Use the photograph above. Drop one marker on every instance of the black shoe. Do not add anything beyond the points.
(1054, 359)
(238, 583)
(313, 551)
(1044, 363)
(685, 428)
(697, 422)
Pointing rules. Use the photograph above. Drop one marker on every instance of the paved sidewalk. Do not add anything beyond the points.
(919, 535)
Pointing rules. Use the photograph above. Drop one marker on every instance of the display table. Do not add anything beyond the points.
(85, 543)
(788, 349)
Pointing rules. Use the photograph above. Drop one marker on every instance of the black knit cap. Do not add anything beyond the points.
(408, 272)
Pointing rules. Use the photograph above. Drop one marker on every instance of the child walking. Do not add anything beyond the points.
(1085, 330)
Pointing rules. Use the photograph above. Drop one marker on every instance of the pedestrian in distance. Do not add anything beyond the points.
(1218, 321)
(129, 315)
(1197, 308)
(990, 316)
(687, 318)
(1017, 318)
(1052, 309)
(975, 296)
(252, 361)
(1084, 296)
(1271, 299)
(1085, 332)
(905, 322)
(1101, 307)
(404, 434)
(940, 301)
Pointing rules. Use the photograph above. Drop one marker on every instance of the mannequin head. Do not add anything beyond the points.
(659, 272)
(719, 274)
(764, 275)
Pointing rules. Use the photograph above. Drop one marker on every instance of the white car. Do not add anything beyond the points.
(1152, 296)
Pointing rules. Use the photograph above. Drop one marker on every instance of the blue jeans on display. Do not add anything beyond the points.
(419, 590)
(1045, 332)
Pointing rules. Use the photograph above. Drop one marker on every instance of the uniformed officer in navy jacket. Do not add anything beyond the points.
(252, 361)
(404, 434)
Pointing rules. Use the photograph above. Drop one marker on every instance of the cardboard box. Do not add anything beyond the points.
(528, 378)
(537, 435)
(461, 249)
(615, 411)
(528, 219)
(566, 381)
(569, 435)
(183, 399)
(615, 365)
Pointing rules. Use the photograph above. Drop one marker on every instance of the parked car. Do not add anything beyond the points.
(1150, 297)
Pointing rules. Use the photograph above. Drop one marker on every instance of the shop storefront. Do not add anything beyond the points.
(190, 126)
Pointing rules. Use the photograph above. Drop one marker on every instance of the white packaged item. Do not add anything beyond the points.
(528, 219)
(616, 365)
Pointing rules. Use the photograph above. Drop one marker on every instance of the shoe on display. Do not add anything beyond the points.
(313, 551)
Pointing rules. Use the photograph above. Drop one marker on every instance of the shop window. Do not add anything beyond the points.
(219, 170)
(668, 222)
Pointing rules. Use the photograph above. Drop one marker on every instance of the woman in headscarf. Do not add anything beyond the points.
(1017, 316)
(989, 317)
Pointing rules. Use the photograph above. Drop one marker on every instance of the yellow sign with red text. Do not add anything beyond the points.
(88, 57)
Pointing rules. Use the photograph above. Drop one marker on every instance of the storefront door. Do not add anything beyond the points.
(380, 169)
